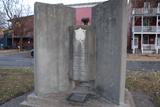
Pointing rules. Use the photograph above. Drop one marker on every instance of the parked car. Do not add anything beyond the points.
(32, 52)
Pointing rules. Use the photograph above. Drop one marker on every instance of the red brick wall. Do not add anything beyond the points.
(23, 26)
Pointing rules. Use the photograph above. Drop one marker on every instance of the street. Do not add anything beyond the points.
(22, 59)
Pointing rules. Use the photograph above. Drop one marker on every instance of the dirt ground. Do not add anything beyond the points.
(142, 100)
(140, 57)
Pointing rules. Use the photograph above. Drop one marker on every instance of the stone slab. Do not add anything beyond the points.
(110, 24)
(51, 43)
(77, 98)
(90, 50)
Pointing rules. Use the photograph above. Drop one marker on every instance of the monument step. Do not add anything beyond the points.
(26, 104)
(58, 100)
(77, 98)
(35, 100)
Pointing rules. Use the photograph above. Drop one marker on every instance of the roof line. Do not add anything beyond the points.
(79, 4)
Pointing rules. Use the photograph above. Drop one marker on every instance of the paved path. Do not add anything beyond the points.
(22, 59)
(15, 102)
(146, 66)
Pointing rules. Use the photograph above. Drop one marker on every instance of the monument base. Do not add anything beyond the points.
(59, 100)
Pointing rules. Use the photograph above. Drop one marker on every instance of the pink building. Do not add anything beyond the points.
(81, 13)
(83, 10)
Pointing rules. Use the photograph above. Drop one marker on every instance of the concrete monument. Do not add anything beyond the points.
(52, 47)
(80, 66)
(110, 23)
(83, 53)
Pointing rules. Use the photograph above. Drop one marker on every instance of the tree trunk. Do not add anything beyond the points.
(21, 43)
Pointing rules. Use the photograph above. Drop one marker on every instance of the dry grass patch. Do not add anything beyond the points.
(140, 57)
(149, 83)
(14, 82)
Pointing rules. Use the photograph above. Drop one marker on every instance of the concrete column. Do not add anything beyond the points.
(52, 47)
(110, 23)
(156, 44)
(156, 38)
(133, 23)
(142, 23)
(133, 47)
(142, 20)
(142, 43)
(157, 24)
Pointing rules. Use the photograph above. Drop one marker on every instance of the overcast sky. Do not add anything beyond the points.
(31, 2)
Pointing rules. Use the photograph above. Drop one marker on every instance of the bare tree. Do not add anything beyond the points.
(14, 8)
(2, 19)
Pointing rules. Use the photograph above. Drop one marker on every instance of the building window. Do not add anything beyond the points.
(145, 39)
(138, 21)
(136, 41)
(158, 41)
(158, 22)
(145, 22)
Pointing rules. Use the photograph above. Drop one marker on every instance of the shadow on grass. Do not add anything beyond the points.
(14, 82)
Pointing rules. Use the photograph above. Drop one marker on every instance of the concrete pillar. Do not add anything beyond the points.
(133, 46)
(157, 24)
(156, 44)
(110, 23)
(52, 47)
(156, 38)
(133, 22)
(133, 25)
(142, 24)
(142, 43)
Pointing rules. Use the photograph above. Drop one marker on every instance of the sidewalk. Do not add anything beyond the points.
(9, 51)
(13, 51)
(15, 102)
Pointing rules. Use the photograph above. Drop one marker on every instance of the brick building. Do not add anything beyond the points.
(145, 36)
(23, 32)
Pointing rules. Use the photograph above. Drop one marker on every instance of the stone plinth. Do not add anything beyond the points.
(59, 100)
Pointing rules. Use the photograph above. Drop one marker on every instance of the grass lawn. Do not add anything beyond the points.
(148, 83)
(14, 82)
